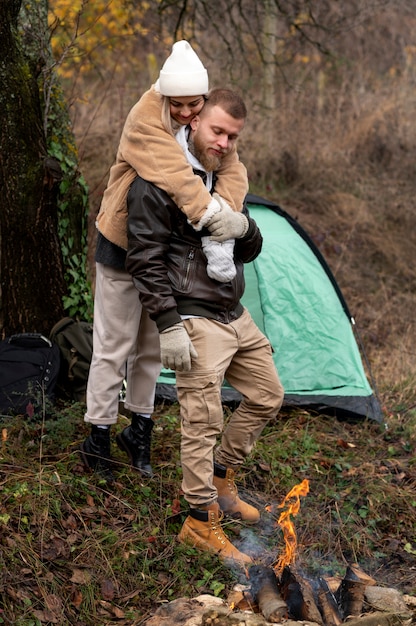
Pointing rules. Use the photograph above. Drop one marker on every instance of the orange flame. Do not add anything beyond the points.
(291, 503)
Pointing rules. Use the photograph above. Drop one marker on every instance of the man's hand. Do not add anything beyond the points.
(227, 224)
(176, 349)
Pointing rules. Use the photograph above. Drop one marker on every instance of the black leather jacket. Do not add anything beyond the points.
(168, 266)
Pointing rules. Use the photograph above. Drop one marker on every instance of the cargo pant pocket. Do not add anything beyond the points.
(199, 395)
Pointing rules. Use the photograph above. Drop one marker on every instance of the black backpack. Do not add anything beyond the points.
(74, 339)
(29, 368)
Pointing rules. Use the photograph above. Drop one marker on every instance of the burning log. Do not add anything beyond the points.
(318, 604)
(266, 593)
(327, 604)
(298, 595)
(350, 593)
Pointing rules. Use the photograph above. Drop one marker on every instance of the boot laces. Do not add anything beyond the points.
(217, 529)
(232, 487)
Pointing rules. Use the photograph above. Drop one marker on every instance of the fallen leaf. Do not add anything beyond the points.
(163, 578)
(56, 548)
(89, 510)
(80, 576)
(46, 616)
(73, 538)
(127, 516)
(341, 443)
(107, 590)
(115, 610)
(76, 597)
(326, 463)
(53, 602)
(176, 506)
(15, 594)
(70, 522)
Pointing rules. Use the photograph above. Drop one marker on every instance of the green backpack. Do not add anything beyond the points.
(74, 339)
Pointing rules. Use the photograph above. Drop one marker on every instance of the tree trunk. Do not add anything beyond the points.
(31, 268)
(269, 52)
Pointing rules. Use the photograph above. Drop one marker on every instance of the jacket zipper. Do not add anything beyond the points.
(189, 258)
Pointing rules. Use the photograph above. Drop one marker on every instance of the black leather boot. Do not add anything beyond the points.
(135, 440)
(96, 454)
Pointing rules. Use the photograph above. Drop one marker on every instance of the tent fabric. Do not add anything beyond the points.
(295, 300)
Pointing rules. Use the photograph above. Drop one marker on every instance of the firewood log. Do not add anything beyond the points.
(298, 595)
(350, 593)
(266, 593)
(328, 605)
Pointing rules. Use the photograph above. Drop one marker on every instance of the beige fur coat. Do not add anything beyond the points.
(147, 149)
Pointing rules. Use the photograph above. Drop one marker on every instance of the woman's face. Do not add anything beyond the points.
(183, 109)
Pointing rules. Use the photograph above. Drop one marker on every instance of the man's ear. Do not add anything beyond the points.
(195, 122)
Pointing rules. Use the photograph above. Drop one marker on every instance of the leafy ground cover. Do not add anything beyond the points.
(74, 551)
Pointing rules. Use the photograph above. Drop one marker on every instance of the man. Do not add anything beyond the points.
(205, 333)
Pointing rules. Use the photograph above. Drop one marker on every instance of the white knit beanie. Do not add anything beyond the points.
(182, 73)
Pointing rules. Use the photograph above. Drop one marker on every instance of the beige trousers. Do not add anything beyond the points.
(242, 354)
(125, 345)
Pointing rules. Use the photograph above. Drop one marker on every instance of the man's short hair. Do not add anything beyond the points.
(228, 100)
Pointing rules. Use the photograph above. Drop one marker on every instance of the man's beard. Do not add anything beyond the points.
(210, 162)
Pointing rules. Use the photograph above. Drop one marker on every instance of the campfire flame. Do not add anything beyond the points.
(291, 506)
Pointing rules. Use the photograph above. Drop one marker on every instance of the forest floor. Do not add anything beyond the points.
(76, 551)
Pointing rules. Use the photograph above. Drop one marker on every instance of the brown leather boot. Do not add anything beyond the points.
(228, 499)
(202, 529)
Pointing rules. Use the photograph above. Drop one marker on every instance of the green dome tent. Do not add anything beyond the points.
(294, 298)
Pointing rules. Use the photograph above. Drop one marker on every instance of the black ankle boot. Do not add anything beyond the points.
(135, 440)
(96, 454)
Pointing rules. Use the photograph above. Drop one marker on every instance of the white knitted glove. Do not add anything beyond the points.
(227, 224)
(213, 207)
(220, 257)
(176, 349)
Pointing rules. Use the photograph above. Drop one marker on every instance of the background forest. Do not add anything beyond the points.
(331, 138)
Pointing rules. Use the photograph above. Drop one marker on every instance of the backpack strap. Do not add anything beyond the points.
(29, 340)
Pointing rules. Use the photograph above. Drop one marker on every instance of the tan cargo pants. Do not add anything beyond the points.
(242, 354)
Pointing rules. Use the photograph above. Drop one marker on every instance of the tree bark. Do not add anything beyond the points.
(31, 268)
(269, 52)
